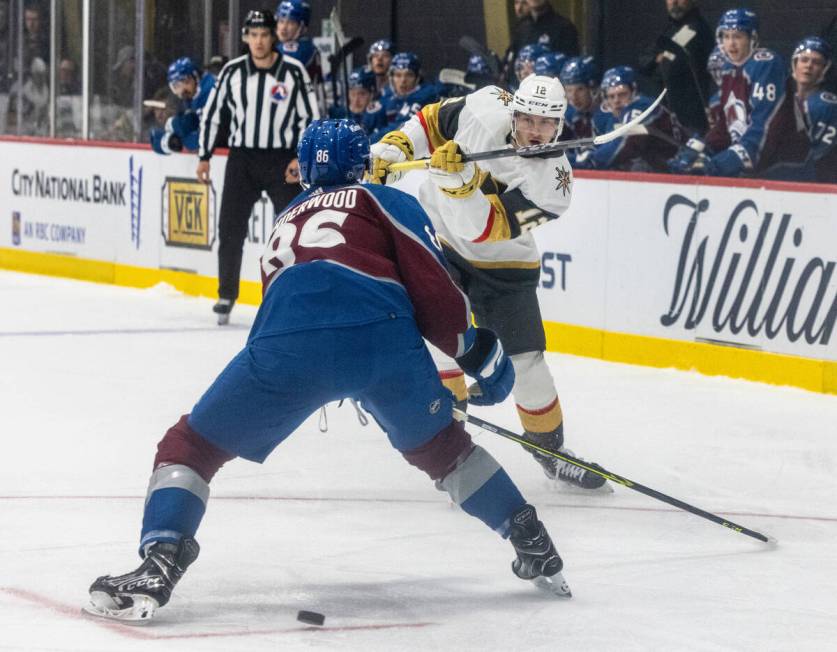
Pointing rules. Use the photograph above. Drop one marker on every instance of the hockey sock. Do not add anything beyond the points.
(174, 505)
(483, 489)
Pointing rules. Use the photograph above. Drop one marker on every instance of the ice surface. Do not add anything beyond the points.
(92, 376)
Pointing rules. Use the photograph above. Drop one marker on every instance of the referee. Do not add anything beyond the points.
(265, 99)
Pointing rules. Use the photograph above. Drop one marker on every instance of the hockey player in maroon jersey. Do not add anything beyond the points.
(353, 278)
(756, 111)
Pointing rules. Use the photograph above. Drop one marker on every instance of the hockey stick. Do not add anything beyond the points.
(473, 46)
(617, 479)
(545, 150)
(455, 77)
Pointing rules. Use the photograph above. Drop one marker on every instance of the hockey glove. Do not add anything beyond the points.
(691, 158)
(394, 147)
(452, 176)
(488, 364)
(726, 164)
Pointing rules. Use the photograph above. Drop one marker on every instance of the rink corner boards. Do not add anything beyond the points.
(707, 358)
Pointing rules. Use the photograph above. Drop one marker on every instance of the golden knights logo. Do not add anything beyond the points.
(563, 179)
(188, 210)
(504, 96)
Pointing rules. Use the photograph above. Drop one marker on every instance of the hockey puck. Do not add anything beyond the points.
(310, 617)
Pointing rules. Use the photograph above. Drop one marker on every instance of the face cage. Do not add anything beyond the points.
(558, 130)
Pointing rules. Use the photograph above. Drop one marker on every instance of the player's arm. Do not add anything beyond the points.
(211, 117)
(420, 136)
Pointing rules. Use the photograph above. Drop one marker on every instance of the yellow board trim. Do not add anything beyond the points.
(711, 359)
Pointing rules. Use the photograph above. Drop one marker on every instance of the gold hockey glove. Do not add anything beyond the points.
(394, 147)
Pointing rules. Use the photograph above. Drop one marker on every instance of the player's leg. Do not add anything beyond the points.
(241, 190)
(511, 309)
(253, 405)
(415, 411)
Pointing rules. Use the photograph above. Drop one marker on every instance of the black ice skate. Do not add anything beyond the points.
(137, 595)
(223, 309)
(537, 560)
(555, 468)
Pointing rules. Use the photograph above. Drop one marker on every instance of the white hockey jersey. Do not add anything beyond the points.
(491, 227)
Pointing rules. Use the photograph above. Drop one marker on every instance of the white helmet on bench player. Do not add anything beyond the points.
(539, 106)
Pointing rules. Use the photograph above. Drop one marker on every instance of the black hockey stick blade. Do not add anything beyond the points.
(613, 477)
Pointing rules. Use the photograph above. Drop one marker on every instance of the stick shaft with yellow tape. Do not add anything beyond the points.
(613, 477)
(545, 150)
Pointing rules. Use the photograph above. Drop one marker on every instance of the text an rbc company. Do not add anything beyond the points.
(752, 280)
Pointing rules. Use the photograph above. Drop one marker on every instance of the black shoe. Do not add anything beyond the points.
(537, 559)
(555, 468)
(136, 595)
(223, 308)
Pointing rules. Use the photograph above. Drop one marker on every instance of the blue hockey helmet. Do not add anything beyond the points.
(363, 77)
(814, 44)
(529, 54)
(296, 10)
(550, 64)
(333, 152)
(179, 71)
(406, 61)
(739, 20)
(478, 65)
(619, 76)
(580, 70)
(381, 45)
(259, 18)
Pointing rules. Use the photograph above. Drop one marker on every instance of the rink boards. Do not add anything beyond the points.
(733, 278)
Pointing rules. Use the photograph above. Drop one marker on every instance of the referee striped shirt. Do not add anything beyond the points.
(264, 108)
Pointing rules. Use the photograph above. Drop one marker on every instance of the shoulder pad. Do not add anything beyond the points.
(763, 54)
(830, 98)
(373, 107)
(290, 47)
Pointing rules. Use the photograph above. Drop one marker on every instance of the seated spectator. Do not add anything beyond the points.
(550, 64)
(181, 131)
(216, 63)
(68, 81)
(378, 59)
(524, 63)
(757, 111)
(122, 90)
(812, 155)
(676, 62)
(35, 101)
(408, 93)
(585, 115)
(647, 152)
(363, 107)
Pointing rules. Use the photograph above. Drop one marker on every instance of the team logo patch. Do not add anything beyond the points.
(831, 98)
(563, 179)
(290, 46)
(279, 92)
(503, 95)
(763, 55)
(435, 406)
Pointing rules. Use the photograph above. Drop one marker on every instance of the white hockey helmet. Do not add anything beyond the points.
(542, 96)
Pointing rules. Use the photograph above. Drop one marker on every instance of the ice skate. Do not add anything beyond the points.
(556, 469)
(537, 560)
(135, 596)
(223, 309)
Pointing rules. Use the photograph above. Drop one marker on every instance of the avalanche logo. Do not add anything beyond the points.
(735, 112)
(278, 92)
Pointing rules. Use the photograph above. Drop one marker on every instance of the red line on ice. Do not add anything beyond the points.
(143, 633)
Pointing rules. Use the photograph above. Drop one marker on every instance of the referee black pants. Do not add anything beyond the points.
(249, 171)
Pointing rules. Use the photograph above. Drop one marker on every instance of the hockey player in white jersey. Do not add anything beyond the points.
(483, 215)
